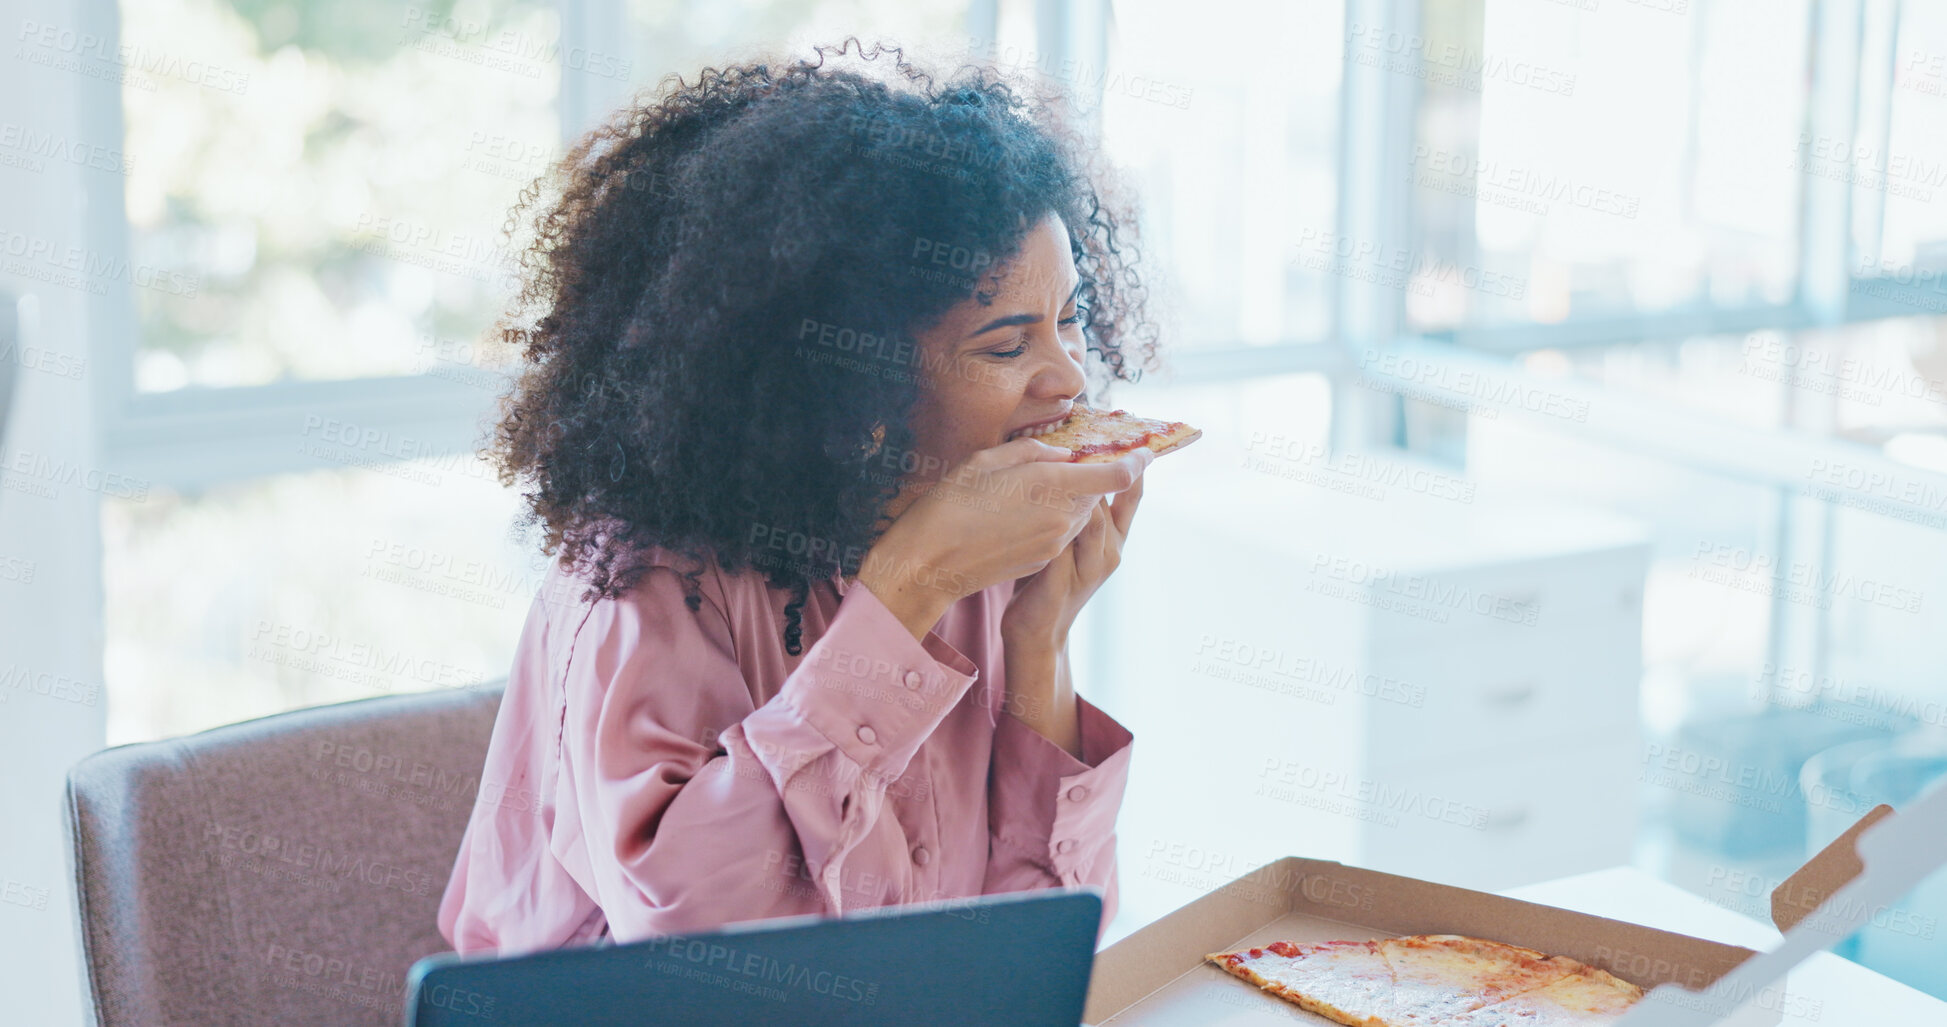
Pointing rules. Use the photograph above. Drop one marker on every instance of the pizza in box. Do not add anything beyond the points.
(1433, 980)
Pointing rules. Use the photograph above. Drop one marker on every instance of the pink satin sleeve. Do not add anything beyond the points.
(612, 803)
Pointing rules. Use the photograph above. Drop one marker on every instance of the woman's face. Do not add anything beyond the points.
(995, 370)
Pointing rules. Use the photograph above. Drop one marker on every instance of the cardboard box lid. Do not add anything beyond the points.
(1877, 860)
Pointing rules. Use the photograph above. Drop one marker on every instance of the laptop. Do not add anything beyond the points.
(1021, 960)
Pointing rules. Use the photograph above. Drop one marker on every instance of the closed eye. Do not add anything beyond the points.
(1019, 348)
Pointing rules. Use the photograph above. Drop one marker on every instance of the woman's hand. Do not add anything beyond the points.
(1006, 513)
(1045, 603)
(1034, 629)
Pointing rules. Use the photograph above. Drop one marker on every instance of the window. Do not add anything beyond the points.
(318, 195)
(319, 192)
(1231, 140)
(1579, 163)
(300, 589)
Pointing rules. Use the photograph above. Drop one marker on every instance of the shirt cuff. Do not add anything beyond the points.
(872, 689)
(1057, 809)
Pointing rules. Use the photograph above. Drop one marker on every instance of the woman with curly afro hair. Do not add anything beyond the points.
(788, 333)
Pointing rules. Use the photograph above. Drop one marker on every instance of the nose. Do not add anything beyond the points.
(1060, 377)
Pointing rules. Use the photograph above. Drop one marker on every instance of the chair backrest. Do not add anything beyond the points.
(286, 870)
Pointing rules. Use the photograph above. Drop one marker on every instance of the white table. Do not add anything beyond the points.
(1847, 992)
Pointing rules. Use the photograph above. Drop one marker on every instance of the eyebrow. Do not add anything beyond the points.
(1023, 319)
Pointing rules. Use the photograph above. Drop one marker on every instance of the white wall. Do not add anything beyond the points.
(51, 711)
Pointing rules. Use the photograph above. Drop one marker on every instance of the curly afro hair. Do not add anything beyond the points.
(674, 392)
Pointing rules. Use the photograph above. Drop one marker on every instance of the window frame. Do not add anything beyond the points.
(196, 436)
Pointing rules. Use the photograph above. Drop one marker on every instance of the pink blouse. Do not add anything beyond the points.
(655, 770)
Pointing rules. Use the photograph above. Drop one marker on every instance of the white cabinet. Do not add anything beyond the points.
(1421, 685)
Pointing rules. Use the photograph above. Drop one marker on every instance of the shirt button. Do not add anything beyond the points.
(867, 735)
(913, 679)
(921, 856)
(1078, 793)
(1065, 845)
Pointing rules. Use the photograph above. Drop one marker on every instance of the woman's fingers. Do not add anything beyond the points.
(1093, 543)
(1125, 507)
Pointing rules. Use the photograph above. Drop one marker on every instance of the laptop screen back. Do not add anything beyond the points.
(1022, 960)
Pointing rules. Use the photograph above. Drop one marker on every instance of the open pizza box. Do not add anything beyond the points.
(1157, 977)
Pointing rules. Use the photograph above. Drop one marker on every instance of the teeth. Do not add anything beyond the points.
(1028, 433)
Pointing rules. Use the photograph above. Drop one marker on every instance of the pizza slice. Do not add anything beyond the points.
(1344, 980)
(1585, 998)
(1438, 980)
(1099, 436)
(1438, 976)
